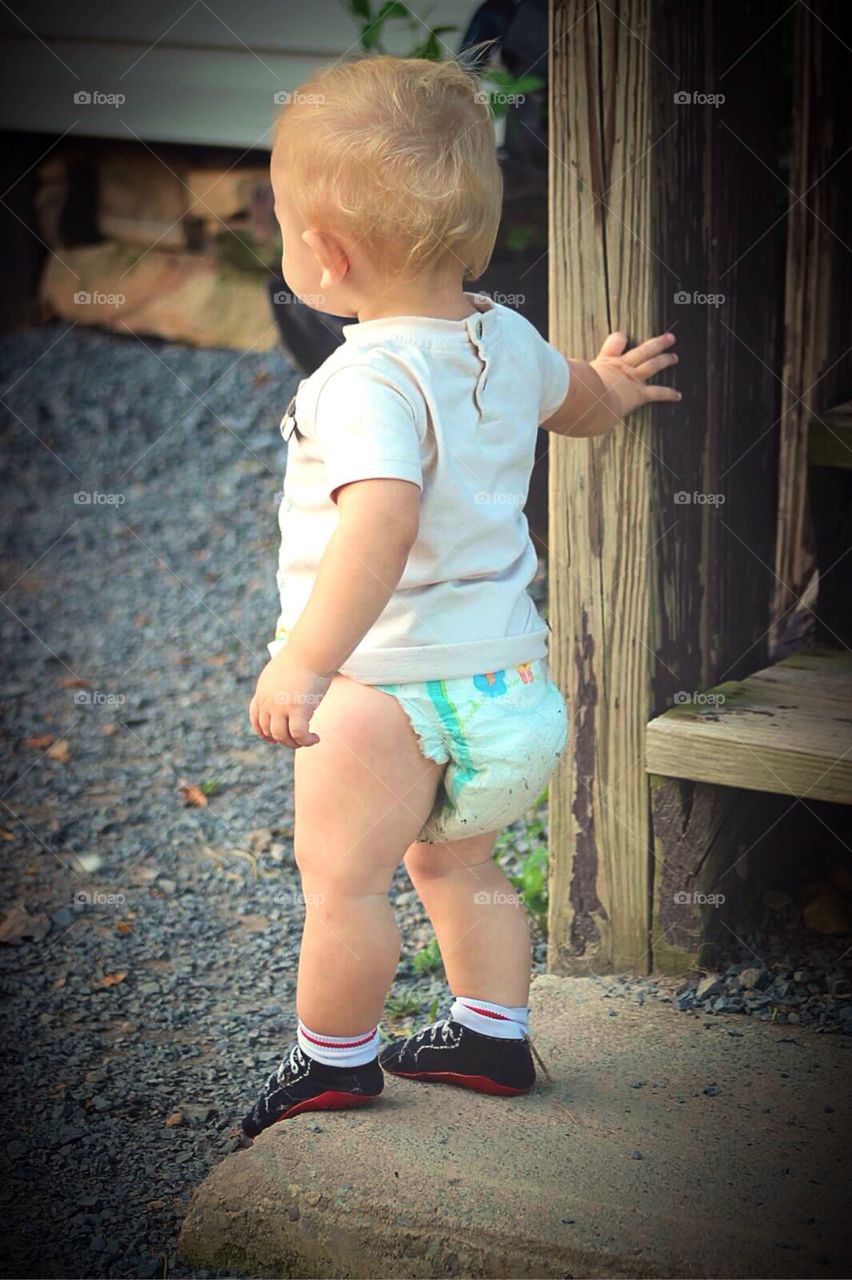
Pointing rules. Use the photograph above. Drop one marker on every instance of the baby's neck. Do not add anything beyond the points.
(438, 303)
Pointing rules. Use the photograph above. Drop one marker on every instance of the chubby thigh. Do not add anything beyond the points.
(362, 793)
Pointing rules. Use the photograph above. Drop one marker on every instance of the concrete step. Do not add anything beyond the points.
(665, 1146)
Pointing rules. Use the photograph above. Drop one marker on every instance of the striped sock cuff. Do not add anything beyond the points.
(506, 1022)
(339, 1051)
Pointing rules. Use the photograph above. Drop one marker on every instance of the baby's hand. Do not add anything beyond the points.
(286, 697)
(626, 376)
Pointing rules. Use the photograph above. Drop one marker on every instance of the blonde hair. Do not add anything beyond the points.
(400, 154)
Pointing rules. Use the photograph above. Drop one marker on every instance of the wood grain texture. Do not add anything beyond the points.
(711, 849)
(816, 371)
(662, 536)
(600, 491)
(785, 730)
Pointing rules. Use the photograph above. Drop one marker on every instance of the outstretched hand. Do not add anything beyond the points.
(626, 376)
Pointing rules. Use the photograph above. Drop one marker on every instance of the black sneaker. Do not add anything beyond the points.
(449, 1053)
(302, 1084)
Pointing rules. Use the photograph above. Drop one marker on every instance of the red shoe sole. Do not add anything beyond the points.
(480, 1083)
(331, 1100)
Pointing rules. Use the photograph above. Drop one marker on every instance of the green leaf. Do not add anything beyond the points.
(392, 9)
(427, 959)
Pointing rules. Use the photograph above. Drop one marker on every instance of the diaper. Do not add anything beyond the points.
(500, 734)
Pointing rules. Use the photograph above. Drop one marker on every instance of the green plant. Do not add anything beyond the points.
(427, 959)
(399, 1006)
(501, 87)
(393, 11)
(531, 881)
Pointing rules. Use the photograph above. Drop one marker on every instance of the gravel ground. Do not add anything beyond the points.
(149, 971)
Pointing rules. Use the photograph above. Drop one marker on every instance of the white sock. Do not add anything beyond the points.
(339, 1051)
(506, 1022)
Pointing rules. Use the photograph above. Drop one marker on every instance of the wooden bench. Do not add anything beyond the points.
(785, 731)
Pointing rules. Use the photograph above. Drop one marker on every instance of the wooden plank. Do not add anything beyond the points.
(818, 308)
(599, 490)
(714, 551)
(712, 847)
(830, 438)
(651, 594)
(785, 730)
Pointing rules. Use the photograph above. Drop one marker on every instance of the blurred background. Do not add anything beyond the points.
(135, 165)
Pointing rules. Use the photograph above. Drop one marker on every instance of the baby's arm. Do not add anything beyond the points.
(604, 391)
(361, 567)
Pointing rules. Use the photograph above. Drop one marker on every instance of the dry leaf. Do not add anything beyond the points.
(174, 1119)
(123, 926)
(61, 751)
(19, 924)
(192, 794)
(40, 740)
(109, 729)
(254, 923)
(110, 979)
(74, 682)
(140, 620)
(6, 835)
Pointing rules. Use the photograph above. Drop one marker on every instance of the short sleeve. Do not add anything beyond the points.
(366, 429)
(555, 375)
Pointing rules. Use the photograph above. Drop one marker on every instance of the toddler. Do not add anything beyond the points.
(409, 662)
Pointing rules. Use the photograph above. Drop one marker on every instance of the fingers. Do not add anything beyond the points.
(280, 732)
(261, 723)
(650, 348)
(614, 344)
(661, 393)
(278, 727)
(649, 367)
(299, 729)
(253, 716)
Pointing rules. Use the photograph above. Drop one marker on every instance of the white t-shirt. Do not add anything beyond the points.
(454, 406)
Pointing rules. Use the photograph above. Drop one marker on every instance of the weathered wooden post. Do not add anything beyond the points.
(666, 214)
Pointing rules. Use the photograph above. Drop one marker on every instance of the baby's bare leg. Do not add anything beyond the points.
(480, 925)
(362, 794)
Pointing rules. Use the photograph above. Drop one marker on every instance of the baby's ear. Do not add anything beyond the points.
(329, 253)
